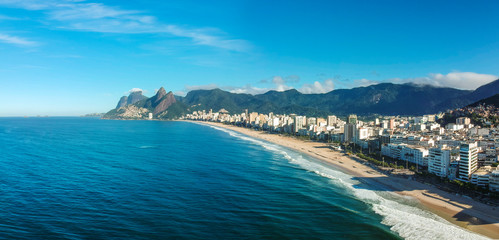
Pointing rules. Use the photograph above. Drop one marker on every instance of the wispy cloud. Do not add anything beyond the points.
(5, 17)
(97, 17)
(318, 87)
(65, 56)
(16, 40)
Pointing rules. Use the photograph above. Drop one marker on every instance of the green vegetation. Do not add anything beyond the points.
(175, 111)
(476, 119)
(385, 98)
(378, 162)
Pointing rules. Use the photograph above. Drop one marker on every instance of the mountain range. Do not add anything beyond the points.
(383, 98)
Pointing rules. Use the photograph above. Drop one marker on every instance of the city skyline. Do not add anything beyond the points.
(77, 57)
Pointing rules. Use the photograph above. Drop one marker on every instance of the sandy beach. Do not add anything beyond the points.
(462, 211)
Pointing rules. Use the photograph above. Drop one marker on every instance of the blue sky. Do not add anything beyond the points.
(71, 57)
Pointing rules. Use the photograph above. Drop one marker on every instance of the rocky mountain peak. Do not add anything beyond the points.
(135, 97)
(163, 103)
(122, 102)
(161, 93)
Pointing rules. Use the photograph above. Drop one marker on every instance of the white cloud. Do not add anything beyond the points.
(180, 93)
(248, 89)
(68, 12)
(318, 87)
(97, 17)
(135, 90)
(280, 84)
(16, 40)
(460, 80)
(201, 87)
(364, 82)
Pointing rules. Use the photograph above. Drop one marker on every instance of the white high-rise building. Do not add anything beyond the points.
(331, 120)
(362, 133)
(385, 124)
(311, 121)
(468, 161)
(439, 161)
(415, 154)
(299, 123)
(463, 121)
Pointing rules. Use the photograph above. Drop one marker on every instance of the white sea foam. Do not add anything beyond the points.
(409, 221)
(146, 146)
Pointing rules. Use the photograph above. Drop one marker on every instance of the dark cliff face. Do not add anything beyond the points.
(163, 104)
(160, 102)
(131, 99)
(159, 95)
(135, 97)
(154, 100)
(123, 102)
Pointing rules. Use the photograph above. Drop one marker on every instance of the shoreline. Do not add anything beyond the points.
(461, 211)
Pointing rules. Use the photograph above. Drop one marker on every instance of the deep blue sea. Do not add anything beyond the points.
(86, 178)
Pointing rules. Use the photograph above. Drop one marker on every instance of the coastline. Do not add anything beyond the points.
(459, 210)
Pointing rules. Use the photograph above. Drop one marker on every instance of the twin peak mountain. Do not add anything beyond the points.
(137, 106)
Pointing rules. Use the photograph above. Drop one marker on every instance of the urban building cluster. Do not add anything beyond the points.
(457, 151)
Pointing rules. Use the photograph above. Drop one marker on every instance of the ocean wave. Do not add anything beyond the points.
(146, 146)
(410, 222)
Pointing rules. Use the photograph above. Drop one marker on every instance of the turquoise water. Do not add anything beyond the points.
(86, 178)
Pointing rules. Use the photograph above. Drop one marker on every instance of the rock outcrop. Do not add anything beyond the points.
(164, 103)
(123, 102)
(134, 97)
(160, 102)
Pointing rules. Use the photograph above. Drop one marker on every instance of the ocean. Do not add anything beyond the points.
(87, 178)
